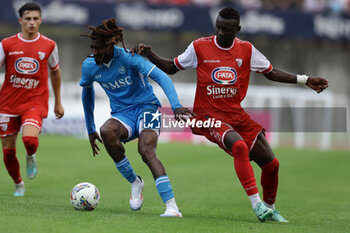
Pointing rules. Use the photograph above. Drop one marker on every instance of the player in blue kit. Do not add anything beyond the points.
(125, 80)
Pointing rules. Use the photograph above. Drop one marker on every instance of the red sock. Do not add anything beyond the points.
(243, 167)
(31, 144)
(12, 164)
(269, 181)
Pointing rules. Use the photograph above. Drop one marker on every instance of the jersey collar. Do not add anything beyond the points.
(216, 43)
(108, 64)
(22, 39)
(115, 54)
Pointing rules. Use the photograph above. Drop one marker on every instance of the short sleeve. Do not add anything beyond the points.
(86, 79)
(2, 55)
(53, 59)
(187, 59)
(259, 63)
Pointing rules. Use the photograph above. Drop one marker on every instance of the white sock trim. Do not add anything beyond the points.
(269, 205)
(254, 199)
(172, 204)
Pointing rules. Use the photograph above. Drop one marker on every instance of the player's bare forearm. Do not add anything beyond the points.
(167, 65)
(55, 76)
(164, 64)
(281, 76)
(316, 83)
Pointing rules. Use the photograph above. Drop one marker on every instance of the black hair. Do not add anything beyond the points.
(108, 33)
(29, 6)
(229, 13)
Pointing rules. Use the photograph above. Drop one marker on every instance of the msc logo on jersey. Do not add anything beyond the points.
(26, 65)
(224, 75)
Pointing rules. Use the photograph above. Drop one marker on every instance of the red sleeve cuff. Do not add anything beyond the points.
(268, 70)
(177, 64)
(55, 67)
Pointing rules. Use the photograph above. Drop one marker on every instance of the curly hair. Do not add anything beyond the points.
(108, 33)
(229, 13)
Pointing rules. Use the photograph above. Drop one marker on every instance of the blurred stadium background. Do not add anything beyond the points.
(301, 36)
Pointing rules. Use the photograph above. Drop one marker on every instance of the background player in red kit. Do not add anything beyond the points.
(24, 93)
(223, 64)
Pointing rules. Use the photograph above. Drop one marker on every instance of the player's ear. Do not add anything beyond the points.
(239, 28)
(20, 20)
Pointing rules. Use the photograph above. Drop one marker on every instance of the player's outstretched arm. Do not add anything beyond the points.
(88, 98)
(164, 64)
(55, 76)
(316, 83)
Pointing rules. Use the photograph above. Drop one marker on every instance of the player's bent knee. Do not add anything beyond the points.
(107, 132)
(240, 149)
(146, 149)
(31, 144)
(274, 165)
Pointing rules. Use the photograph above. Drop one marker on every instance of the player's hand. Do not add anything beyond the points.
(316, 83)
(141, 49)
(182, 114)
(59, 111)
(92, 138)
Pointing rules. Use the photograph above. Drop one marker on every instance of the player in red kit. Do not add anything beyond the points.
(24, 94)
(223, 64)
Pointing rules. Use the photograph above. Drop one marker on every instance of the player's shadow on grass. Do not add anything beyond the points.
(186, 217)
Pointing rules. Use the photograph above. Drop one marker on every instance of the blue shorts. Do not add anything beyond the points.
(132, 120)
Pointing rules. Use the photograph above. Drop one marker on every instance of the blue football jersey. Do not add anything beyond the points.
(124, 79)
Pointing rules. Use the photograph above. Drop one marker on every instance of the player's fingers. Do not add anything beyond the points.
(190, 112)
(99, 139)
(93, 150)
(139, 49)
(96, 146)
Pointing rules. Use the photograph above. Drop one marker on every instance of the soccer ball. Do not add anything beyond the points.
(85, 196)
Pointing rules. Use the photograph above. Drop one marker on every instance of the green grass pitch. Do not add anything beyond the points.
(314, 191)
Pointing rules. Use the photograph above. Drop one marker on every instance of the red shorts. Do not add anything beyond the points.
(11, 124)
(248, 130)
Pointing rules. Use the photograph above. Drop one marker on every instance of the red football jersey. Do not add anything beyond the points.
(222, 75)
(26, 73)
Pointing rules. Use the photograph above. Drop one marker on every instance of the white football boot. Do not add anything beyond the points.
(136, 197)
(19, 190)
(171, 212)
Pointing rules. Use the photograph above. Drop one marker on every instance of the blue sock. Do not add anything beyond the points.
(126, 170)
(164, 188)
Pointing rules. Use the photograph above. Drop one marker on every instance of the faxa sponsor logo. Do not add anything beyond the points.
(224, 75)
(26, 65)
(27, 83)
